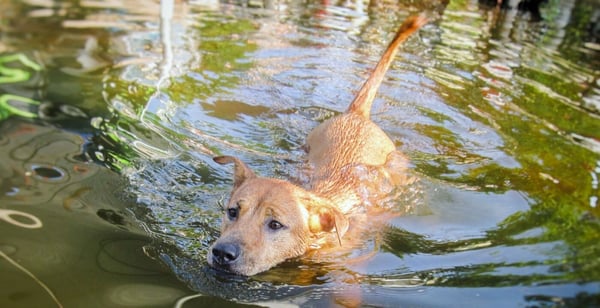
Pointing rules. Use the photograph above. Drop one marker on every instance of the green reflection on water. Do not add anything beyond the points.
(541, 112)
(224, 51)
(536, 111)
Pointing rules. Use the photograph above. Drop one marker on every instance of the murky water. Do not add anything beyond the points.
(109, 117)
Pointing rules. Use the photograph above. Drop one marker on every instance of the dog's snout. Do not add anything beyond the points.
(225, 253)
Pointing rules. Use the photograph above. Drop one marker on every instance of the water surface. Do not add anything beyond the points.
(109, 117)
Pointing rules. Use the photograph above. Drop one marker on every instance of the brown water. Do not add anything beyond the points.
(109, 117)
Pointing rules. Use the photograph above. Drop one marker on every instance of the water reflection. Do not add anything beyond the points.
(20, 219)
(58, 218)
(473, 127)
(497, 108)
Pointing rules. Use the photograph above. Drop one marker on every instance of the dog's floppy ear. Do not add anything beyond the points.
(241, 171)
(325, 217)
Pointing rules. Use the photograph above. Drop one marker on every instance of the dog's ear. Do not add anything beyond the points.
(325, 217)
(241, 171)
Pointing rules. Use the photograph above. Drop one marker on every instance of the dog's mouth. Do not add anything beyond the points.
(226, 275)
(225, 270)
(228, 270)
(221, 267)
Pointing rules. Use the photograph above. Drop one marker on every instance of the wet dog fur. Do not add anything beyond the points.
(267, 221)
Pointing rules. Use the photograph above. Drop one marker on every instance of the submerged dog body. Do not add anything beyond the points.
(268, 221)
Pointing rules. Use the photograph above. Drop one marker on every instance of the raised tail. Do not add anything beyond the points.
(364, 99)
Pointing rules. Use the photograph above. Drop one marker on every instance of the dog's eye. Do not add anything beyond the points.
(232, 213)
(275, 225)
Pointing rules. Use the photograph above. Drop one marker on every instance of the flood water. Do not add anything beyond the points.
(110, 113)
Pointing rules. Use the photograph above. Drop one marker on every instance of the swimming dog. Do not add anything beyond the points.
(267, 221)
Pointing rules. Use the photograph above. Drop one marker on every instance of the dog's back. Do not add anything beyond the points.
(351, 140)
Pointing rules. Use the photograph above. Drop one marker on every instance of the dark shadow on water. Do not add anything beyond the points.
(89, 248)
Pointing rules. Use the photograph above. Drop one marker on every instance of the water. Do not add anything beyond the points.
(110, 117)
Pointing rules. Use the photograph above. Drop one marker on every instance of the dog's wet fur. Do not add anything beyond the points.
(267, 221)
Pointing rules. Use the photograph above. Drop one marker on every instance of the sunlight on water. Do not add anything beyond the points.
(291, 71)
(497, 109)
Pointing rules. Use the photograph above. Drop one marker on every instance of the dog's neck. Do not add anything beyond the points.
(354, 186)
(339, 187)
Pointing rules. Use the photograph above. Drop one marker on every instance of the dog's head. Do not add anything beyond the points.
(268, 221)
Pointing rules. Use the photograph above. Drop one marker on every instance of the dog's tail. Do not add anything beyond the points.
(364, 99)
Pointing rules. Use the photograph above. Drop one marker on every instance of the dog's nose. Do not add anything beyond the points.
(225, 253)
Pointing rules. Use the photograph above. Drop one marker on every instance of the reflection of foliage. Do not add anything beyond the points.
(560, 224)
(123, 130)
(555, 174)
(535, 114)
(576, 261)
(533, 122)
(221, 56)
(219, 50)
(577, 32)
(565, 117)
(19, 74)
(447, 142)
(550, 164)
(124, 94)
(9, 103)
(14, 74)
(560, 85)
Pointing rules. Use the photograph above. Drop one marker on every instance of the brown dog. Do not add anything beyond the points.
(268, 220)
